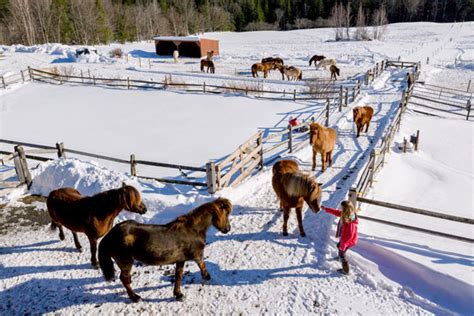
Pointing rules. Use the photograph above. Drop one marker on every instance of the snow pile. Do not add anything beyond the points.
(87, 177)
(94, 58)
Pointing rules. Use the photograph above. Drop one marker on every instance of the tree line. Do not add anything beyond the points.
(32, 22)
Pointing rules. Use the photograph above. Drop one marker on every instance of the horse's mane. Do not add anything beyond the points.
(299, 183)
(190, 218)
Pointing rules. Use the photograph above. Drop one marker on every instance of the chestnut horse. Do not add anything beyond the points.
(262, 67)
(209, 64)
(91, 215)
(316, 58)
(334, 71)
(293, 188)
(275, 60)
(176, 242)
(323, 140)
(362, 116)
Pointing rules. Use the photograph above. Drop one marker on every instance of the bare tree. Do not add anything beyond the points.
(43, 17)
(379, 21)
(347, 19)
(336, 20)
(411, 7)
(361, 31)
(22, 21)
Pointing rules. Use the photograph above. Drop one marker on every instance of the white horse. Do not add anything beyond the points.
(326, 62)
(293, 73)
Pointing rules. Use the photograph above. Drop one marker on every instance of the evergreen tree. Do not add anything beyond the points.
(60, 10)
(105, 32)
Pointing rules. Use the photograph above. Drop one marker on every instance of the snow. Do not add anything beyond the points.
(255, 270)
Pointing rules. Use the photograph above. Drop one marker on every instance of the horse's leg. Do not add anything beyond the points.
(323, 161)
(126, 278)
(286, 215)
(299, 217)
(177, 280)
(61, 232)
(367, 127)
(202, 266)
(314, 160)
(76, 242)
(93, 243)
(329, 158)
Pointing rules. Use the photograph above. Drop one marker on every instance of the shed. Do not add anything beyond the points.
(187, 46)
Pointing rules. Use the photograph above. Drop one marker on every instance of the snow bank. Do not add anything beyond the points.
(87, 177)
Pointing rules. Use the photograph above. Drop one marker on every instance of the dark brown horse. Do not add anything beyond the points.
(209, 64)
(176, 242)
(334, 71)
(94, 215)
(293, 188)
(274, 60)
(316, 58)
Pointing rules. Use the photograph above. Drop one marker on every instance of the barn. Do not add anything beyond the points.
(187, 46)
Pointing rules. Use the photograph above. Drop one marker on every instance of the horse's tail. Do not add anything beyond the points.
(300, 76)
(105, 259)
(311, 61)
(254, 70)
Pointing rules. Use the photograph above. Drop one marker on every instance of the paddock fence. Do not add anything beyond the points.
(13, 78)
(375, 163)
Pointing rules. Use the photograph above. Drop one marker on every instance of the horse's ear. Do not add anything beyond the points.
(320, 184)
(124, 184)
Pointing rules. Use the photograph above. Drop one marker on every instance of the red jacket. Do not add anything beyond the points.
(294, 122)
(347, 231)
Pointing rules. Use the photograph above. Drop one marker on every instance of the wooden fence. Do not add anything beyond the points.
(10, 79)
(442, 99)
(374, 165)
(321, 91)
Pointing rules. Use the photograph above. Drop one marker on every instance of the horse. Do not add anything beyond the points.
(316, 58)
(262, 67)
(91, 215)
(174, 243)
(209, 64)
(293, 188)
(175, 56)
(362, 116)
(293, 73)
(326, 62)
(209, 55)
(275, 60)
(334, 71)
(323, 140)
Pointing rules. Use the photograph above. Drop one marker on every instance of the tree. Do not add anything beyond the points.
(361, 31)
(337, 20)
(379, 21)
(61, 21)
(105, 34)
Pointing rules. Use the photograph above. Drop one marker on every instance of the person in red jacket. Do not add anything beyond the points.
(346, 230)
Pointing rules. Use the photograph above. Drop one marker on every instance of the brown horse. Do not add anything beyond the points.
(94, 215)
(209, 64)
(362, 116)
(293, 188)
(265, 68)
(323, 140)
(334, 71)
(176, 242)
(316, 58)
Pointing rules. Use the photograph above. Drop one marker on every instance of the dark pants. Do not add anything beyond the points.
(342, 254)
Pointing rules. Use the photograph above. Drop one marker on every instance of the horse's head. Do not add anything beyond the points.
(314, 197)
(132, 200)
(220, 216)
(314, 129)
(355, 113)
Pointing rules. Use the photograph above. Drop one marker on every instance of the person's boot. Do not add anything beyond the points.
(345, 267)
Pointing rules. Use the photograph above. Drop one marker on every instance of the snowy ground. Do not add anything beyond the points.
(255, 269)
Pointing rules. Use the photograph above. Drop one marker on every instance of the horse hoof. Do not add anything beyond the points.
(303, 234)
(95, 265)
(136, 298)
(79, 249)
(179, 297)
(207, 277)
(285, 233)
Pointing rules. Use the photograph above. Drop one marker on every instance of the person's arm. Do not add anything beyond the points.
(332, 211)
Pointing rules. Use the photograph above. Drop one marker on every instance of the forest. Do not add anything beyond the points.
(31, 22)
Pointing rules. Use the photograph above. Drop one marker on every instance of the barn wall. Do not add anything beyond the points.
(207, 45)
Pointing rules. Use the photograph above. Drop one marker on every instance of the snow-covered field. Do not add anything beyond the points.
(255, 269)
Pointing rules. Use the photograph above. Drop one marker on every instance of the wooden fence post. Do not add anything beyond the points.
(140, 61)
(94, 80)
(404, 145)
(30, 73)
(372, 166)
(468, 108)
(367, 78)
(22, 76)
(82, 76)
(60, 148)
(128, 83)
(3, 82)
(327, 112)
(204, 87)
(89, 73)
(290, 138)
(353, 197)
(260, 142)
(294, 95)
(469, 85)
(22, 170)
(149, 63)
(133, 165)
(212, 185)
(341, 97)
(417, 139)
(346, 96)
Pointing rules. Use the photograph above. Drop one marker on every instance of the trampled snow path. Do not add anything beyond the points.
(254, 268)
